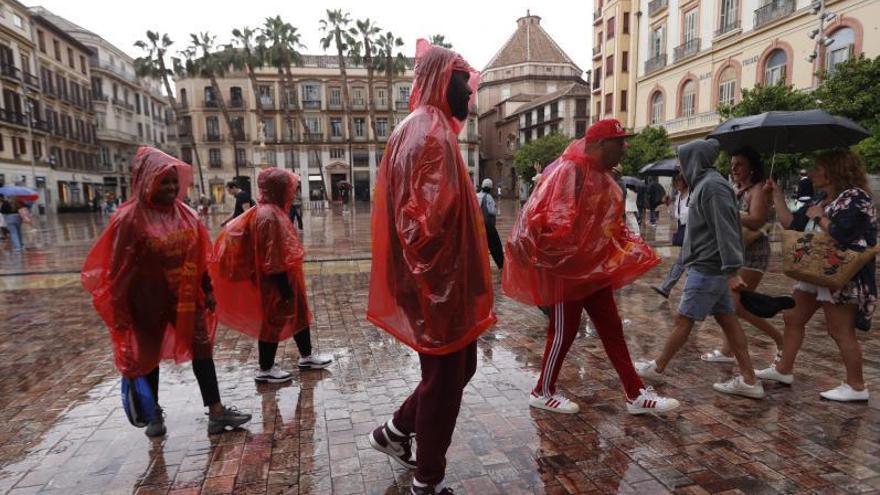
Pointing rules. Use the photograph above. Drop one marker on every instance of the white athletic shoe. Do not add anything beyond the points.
(737, 386)
(716, 356)
(770, 373)
(558, 403)
(648, 370)
(315, 361)
(649, 402)
(273, 375)
(845, 393)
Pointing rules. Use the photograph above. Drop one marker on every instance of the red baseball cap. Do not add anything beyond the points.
(606, 129)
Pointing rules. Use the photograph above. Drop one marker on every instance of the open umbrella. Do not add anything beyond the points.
(22, 193)
(667, 168)
(632, 182)
(789, 132)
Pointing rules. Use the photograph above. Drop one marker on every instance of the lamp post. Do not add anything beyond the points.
(29, 112)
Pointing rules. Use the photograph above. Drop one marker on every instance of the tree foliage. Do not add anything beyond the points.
(853, 91)
(649, 145)
(541, 151)
(440, 40)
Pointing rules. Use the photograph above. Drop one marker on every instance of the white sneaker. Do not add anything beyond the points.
(273, 375)
(589, 331)
(770, 373)
(737, 386)
(716, 356)
(649, 402)
(557, 403)
(845, 393)
(648, 370)
(315, 361)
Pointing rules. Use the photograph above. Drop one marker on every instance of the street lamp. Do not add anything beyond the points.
(29, 112)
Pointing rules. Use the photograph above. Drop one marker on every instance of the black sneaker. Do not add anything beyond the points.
(156, 428)
(430, 490)
(229, 418)
(660, 291)
(397, 447)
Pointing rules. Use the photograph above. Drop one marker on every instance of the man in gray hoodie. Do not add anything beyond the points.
(713, 252)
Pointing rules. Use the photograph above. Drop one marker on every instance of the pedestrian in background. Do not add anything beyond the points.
(678, 211)
(490, 215)
(9, 209)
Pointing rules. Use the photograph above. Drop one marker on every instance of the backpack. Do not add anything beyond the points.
(138, 401)
(488, 218)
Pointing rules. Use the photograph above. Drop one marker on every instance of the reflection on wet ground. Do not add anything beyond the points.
(64, 430)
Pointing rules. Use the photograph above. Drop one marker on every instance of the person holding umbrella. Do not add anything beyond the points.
(9, 209)
(851, 219)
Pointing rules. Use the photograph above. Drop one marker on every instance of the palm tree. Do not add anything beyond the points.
(363, 54)
(203, 60)
(153, 65)
(246, 53)
(390, 63)
(282, 44)
(440, 40)
(335, 29)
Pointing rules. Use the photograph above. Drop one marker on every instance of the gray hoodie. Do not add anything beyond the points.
(713, 240)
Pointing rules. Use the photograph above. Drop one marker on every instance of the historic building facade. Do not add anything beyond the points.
(697, 55)
(320, 150)
(615, 34)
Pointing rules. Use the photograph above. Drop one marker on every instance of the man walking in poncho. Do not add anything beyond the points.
(259, 282)
(570, 249)
(430, 285)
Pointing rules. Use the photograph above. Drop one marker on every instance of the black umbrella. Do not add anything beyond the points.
(789, 132)
(632, 182)
(667, 168)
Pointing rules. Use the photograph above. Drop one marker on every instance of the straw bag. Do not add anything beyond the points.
(751, 235)
(815, 257)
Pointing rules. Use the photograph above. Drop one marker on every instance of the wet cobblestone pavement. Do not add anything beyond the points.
(63, 430)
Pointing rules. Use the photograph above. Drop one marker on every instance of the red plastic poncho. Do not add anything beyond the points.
(430, 285)
(250, 250)
(147, 271)
(570, 239)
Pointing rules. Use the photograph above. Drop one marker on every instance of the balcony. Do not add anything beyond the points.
(358, 104)
(381, 104)
(401, 104)
(657, 6)
(31, 80)
(49, 91)
(311, 104)
(103, 98)
(213, 138)
(597, 52)
(240, 137)
(693, 122)
(597, 16)
(13, 117)
(313, 137)
(727, 27)
(656, 63)
(267, 104)
(773, 10)
(10, 72)
(236, 103)
(687, 49)
(473, 137)
(123, 104)
(42, 126)
(336, 138)
(334, 105)
(211, 104)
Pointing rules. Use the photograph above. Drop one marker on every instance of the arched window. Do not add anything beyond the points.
(775, 67)
(727, 87)
(657, 108)
(688, 99)
(842, 49)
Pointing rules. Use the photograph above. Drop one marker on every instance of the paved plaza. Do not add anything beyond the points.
(63, 429)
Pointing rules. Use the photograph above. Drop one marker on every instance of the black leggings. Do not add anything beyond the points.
(267, 350)
(206, 375)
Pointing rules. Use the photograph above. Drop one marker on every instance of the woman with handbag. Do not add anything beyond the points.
(678, 209)
(747, 171)
(850, 219)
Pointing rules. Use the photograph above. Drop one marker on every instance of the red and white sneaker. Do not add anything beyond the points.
(557, 403)
(649, 402)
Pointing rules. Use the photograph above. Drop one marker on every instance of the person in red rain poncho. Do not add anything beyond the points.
(430, 285)
(569, 249)
(258, 277)
(147, 274)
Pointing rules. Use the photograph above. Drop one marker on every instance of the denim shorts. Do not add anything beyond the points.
(705, 295)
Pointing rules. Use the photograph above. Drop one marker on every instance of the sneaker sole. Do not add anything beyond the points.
(723, 360)
(866, 399)
(273, 380)
(740, 393)
(215, 429)
(653, 410)
(776, 379)
(390, 453)
(314, 366)
(541, 406)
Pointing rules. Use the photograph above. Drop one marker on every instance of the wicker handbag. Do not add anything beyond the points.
(815, 257)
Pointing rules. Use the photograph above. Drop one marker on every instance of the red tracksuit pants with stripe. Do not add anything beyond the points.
(565, 320)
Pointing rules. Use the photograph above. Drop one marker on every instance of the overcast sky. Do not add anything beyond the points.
(477, 29)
